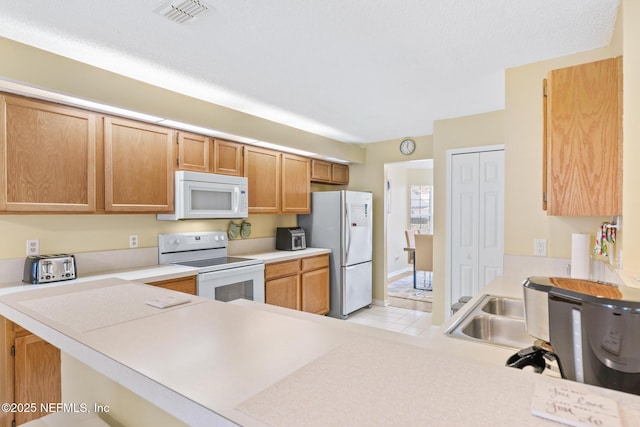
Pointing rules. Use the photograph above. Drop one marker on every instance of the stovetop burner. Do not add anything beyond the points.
(211, 262)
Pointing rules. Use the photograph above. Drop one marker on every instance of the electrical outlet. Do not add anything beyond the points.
(33, 247)
(539, 247)
(133, 240)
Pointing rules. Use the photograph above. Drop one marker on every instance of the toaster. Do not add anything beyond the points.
(49, 268)
(290, 239)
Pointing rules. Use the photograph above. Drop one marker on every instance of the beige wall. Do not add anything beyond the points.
(524, 218)
(397, 220)
(370, 176)
(631, 131)
(471, 131)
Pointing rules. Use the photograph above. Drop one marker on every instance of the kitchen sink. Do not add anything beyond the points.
(498, 330)
(503, 306)
(494, 320)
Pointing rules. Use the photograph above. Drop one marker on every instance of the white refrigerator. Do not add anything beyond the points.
(342, 221)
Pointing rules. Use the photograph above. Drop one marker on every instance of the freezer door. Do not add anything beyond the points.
(356, 287)
(357, 227)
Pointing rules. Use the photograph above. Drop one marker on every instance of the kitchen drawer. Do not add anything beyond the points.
(281, 269)
(314, 263)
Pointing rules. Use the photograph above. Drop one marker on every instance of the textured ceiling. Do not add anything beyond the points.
(352, 70)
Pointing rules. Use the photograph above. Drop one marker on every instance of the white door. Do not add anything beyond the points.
(477, 221)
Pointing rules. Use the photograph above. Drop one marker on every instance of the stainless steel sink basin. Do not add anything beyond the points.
(494, 320)
(498, 330)
(503, 306)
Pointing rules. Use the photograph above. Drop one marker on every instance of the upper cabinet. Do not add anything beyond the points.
(138, 166)
(278, 182)
(193, 152)
(262, 168)
(583, 140)
(47, 157)
(296, 184)
(330, 173)
(227, 157)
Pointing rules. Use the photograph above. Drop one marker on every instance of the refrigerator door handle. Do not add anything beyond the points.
(347, 233)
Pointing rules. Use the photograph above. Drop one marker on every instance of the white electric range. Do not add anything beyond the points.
(220, 277)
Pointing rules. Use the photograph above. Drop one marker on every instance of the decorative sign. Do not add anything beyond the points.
(568, 405)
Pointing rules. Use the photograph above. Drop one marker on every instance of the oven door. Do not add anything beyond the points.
(233, 283)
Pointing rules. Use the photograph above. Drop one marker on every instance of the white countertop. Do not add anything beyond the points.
(278, 256)
(261, 365)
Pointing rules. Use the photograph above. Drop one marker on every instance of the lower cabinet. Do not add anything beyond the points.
(182, 284)
(31, 374)
(300, 284)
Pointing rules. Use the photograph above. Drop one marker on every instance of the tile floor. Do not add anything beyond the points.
(406, 321)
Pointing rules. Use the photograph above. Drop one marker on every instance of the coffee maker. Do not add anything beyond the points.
(592, 330)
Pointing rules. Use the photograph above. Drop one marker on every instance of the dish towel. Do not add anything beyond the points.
(606, 234)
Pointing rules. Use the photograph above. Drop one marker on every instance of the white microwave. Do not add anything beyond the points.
(201, 195)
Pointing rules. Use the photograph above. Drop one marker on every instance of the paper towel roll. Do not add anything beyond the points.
(580, 255)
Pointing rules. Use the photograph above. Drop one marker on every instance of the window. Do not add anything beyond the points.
(421, 208)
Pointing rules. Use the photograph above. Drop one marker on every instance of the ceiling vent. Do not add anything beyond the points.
(182, 11)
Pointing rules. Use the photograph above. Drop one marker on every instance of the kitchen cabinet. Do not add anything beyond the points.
(296, 184)
(314, 284)
(300, 284)
(330, 173)
(227, 157)
(282, 284)
(182, 284)
(47, 157)
(138, 166)
(583, 140)
(262, 168)
(278, 182)
(193, 152)
(31, 373)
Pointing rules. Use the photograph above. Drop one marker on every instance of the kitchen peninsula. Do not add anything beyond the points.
(211, 363)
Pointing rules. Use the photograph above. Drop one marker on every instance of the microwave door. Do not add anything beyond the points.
(210, 201)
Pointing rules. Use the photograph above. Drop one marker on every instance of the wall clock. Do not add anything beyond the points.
(407, 146)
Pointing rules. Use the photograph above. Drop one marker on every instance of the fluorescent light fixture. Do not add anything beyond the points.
(34, 92)
(46, 95)
(205, 131)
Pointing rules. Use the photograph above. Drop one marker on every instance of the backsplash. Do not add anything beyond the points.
(526, 266)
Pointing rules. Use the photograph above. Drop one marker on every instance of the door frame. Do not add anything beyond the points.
(448, 229)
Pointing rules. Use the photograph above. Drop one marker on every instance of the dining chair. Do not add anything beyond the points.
(423, 260)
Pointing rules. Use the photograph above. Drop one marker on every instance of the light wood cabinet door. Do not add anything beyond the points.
(227, 157)
(315, 291)
(183, 284)
(283, 292)
(583, 137)
(138, 167)
(296, 184)
(339, 173)
(320, 171)
(47, 157)
(262, 169)
(37, 375)
(193, 152)
(330, 173)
